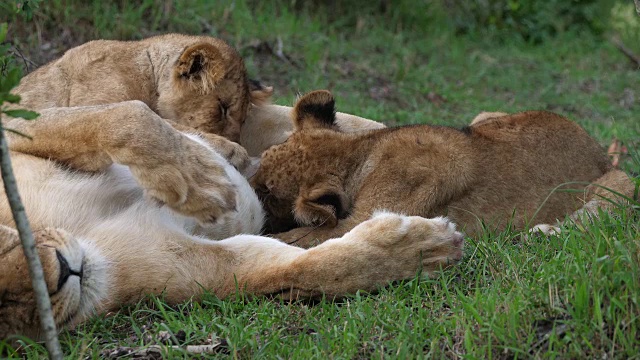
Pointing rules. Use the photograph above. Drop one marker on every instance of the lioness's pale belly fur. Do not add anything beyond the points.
(83, 203)
(111, 217)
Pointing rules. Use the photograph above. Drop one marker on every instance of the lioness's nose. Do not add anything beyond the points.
(65, 270)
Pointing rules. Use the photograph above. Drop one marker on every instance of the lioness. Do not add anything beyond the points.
(502, 169)
(103, 158)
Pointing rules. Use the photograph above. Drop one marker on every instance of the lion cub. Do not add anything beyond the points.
(197, 84)
(520, 169)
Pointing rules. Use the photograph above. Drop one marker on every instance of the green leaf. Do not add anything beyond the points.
(22, 113)
(11, 80)
(13, 77)
(12, 98)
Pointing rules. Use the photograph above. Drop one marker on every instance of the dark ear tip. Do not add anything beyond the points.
(317, 98)
(319, 104)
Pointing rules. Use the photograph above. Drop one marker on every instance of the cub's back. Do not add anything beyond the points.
(556, 144)
(523, 158)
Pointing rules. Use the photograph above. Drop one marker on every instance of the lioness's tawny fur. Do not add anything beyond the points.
(126, 189)
(503, 169)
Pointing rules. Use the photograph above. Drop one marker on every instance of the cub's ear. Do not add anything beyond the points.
(260, 94)
(321, 206)
(316, 109)
(201, 66)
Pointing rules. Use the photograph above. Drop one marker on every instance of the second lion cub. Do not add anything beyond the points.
(503, 169)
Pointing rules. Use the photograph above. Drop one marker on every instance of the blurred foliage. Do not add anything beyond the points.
(626, 23)
(10, 74)
(533, 20)
(396, 15)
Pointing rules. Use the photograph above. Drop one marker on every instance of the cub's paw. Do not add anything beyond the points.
(233, 152)
(410, 243)
(543, 230)
(193, 182)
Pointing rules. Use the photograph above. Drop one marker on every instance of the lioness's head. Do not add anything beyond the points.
(207, 89)
(74, 272)
(302, 181)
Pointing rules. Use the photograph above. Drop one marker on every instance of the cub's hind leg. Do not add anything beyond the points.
(612, 190)
(171, 167)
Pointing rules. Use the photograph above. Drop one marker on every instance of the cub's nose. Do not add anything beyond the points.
(66, 271)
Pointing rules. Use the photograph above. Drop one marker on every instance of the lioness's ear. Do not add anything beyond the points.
(316, 109)
(321, 207)
(260, 94)
(202, 66)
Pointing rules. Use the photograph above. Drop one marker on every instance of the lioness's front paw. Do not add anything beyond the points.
(235, 154)
(194, 184)
(410, 243)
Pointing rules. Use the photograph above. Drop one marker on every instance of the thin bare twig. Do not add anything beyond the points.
(28, 64)
(625, 50)
(278, 52)
(28, 244)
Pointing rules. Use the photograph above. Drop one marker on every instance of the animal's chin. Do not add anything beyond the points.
(93, 287)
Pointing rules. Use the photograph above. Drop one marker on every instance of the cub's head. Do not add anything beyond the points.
(301, 181)
(75, 275)
(207, 89)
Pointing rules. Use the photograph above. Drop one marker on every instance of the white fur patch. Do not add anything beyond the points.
(96, 280)
(445, 222)
(249, 215)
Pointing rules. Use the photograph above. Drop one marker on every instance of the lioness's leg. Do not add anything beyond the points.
(171, 167)
(386, 248)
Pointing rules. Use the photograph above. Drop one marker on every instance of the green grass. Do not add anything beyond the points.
(576, 295)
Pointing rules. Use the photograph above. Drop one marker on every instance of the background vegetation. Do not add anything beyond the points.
(441, 62)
